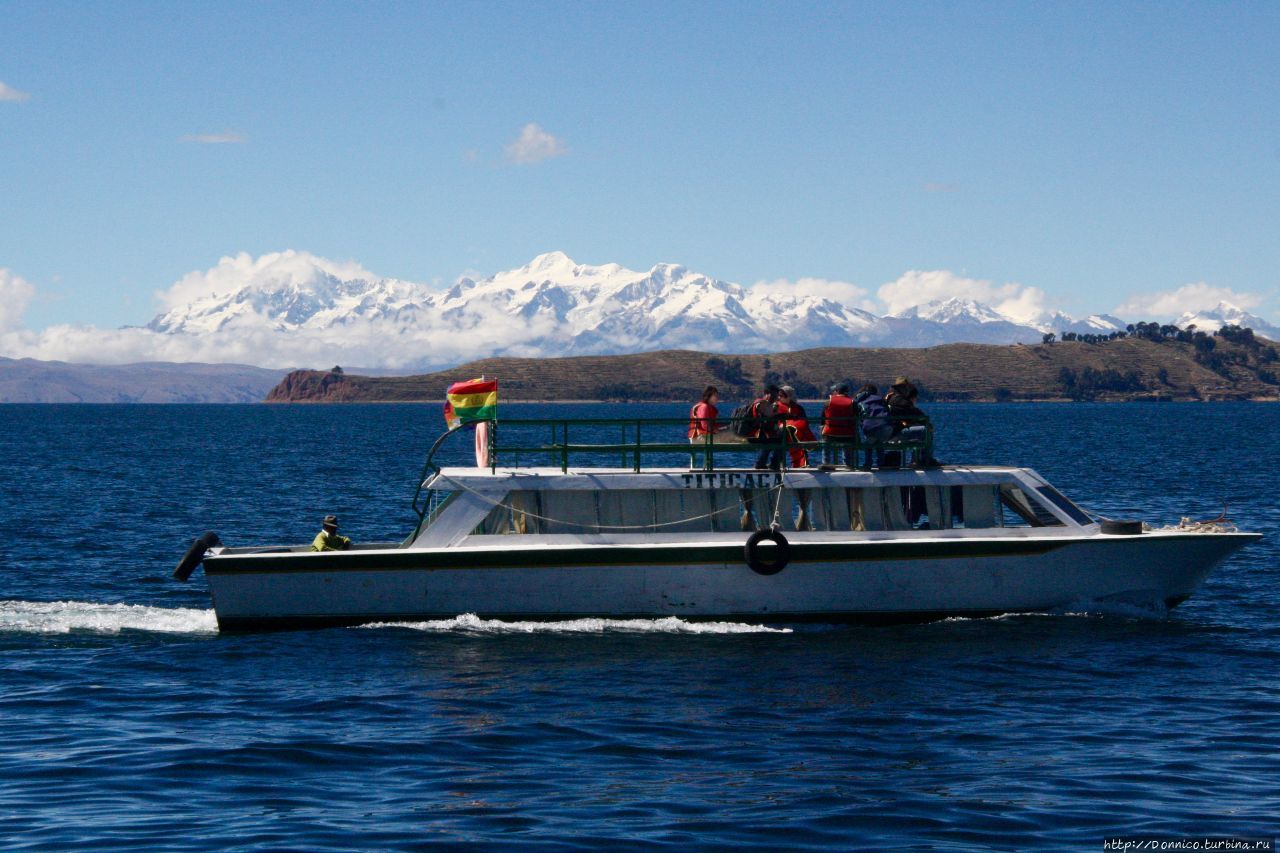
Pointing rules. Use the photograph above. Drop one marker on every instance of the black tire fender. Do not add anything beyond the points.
(756, 559)
(1113, 527)
(195, 555)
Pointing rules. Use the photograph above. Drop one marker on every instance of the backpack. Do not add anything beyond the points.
(745, 422)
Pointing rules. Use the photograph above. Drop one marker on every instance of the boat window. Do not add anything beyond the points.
(1063, 503)
(437, 500)
(978, 507)
(517, 513)
(1024, 510)
(617, 511)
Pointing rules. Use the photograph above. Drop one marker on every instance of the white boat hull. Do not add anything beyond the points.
(875, 580)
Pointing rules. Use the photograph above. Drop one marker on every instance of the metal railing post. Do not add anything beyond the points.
(636, 467)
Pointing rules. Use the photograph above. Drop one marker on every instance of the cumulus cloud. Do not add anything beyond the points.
(16, 294)
(12, 95)
(230, 274)
(226, 137)
(1018, 302)
(844, 292)
(534, 145)
(1197, 296)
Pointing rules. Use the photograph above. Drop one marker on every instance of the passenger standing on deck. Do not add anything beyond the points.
(839, 421)
(795, 422)
(877, 428)
(702, 421)
(328, 539)
(906, 416)
(764, 413)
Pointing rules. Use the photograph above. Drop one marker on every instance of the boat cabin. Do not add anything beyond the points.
(469, 506)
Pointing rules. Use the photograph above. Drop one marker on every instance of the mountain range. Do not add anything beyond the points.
(27, 380)
(556, 306)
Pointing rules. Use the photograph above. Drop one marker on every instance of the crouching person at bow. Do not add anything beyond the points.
(328, 539)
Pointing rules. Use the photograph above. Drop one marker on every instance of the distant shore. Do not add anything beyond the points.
(1120, 370)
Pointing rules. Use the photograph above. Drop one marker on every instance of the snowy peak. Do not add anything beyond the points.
(553, 305)
(1226, 314)
(954, 310)
(284, 290)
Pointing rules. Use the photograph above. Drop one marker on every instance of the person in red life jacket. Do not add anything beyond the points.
(795, 423)
(702, 421)
(764, 412)
(839, 426)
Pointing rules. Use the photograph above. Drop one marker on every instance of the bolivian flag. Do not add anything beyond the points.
(471, 401)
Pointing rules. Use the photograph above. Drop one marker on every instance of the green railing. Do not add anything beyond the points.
(555, 441)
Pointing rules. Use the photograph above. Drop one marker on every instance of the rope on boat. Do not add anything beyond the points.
(527, 514)
(1222, 524)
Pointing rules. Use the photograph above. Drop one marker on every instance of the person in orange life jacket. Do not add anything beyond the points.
(702, 421)
(795, 423)
(839, 422)
(768, 431)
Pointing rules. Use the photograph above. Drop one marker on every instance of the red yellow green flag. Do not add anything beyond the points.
(471, 401)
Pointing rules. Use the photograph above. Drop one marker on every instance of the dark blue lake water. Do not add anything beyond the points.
(127, 721)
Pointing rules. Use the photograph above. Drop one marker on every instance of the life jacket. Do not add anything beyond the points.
(702, 424)
(797, 421)
(838, 417)
(764, 420)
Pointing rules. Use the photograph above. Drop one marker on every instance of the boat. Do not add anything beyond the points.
(553, 522)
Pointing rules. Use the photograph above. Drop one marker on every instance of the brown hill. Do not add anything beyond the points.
(1121, 369)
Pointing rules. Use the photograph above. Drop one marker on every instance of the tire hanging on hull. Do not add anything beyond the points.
(761, 561)
(195, 555)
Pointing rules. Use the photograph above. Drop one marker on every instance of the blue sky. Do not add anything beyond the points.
(1101, 152)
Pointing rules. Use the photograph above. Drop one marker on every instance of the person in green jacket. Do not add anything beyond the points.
(328, 539)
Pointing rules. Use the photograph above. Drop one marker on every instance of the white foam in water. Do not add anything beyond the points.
(473, 624)
(63, 617)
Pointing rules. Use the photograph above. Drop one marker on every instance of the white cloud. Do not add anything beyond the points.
(432, 341)
(16, 294)
(226, 137)
(12, 95)
(939, 187)
(1197, 296)
(534, 145)
(1018, 302)
(232, 273)
(844, 292)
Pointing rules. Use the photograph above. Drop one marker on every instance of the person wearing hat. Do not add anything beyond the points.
(907, 416)
(328, 539)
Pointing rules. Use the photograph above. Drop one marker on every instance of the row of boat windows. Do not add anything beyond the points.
(706, 510)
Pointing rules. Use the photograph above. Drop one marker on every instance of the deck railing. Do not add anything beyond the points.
(559, 441)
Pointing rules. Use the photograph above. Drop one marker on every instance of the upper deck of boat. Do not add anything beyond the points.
(724, 478)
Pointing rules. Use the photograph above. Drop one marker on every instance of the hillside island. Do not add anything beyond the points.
(1148, 362)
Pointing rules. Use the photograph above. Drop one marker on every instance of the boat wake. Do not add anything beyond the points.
(469, 623)
(63, 617)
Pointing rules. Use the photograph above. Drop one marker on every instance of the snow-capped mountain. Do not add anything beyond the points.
(292, 290)
(1226, 314)
(301, 307)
